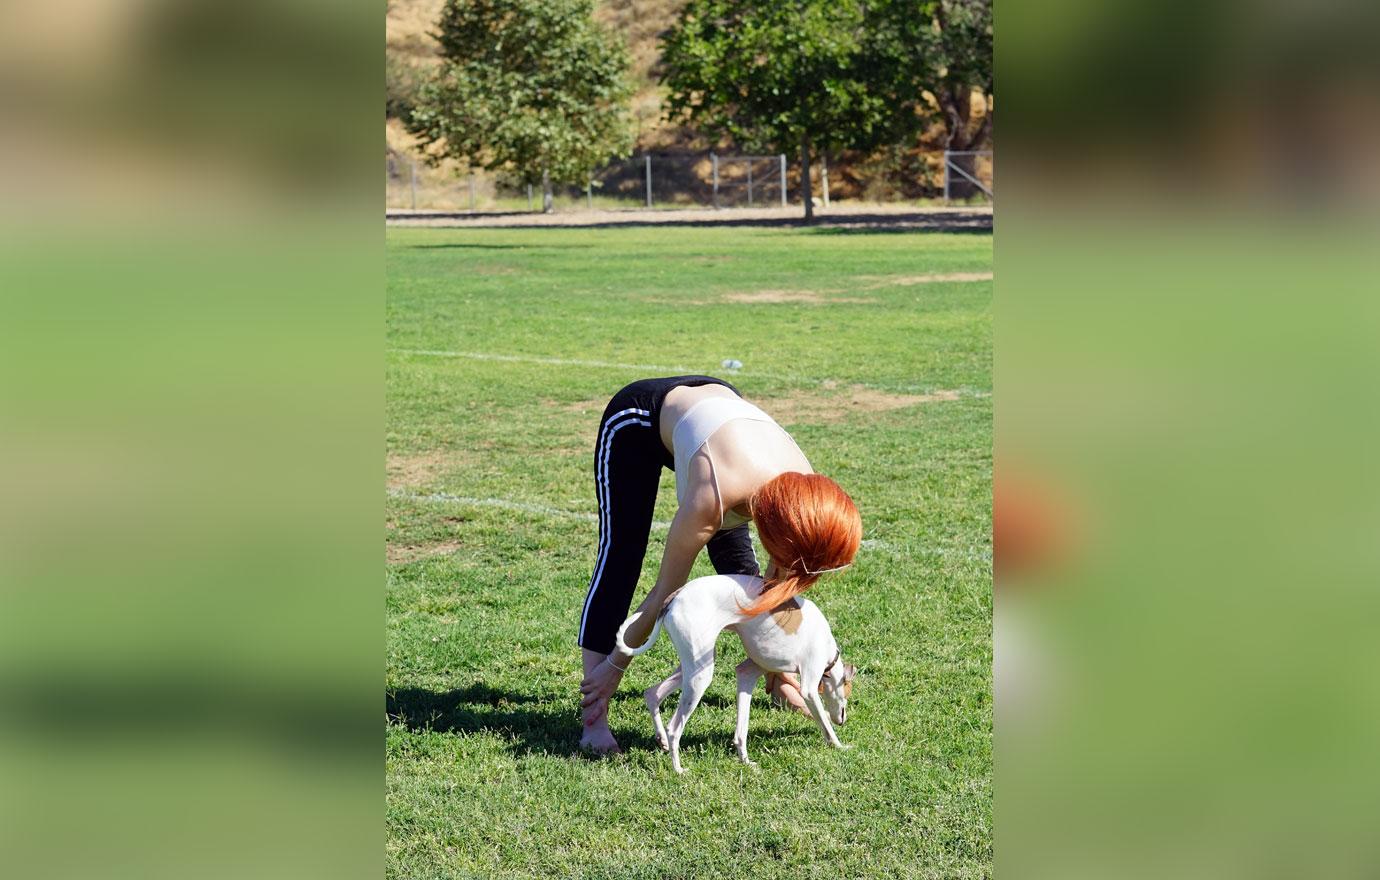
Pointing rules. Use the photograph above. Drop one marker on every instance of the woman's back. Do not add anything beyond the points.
(743, 446)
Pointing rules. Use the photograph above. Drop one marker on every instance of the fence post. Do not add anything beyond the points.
(589, 194)
(529, 198)
(414, 184)
(749, 161)
(714, 162)
(824, 175)
(471, 192)
(647, 157)
(783, 180)
(946, 177)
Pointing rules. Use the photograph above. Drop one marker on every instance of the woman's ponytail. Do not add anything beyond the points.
(809, 526)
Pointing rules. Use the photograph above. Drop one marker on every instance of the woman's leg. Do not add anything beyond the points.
(627, 469)
(731, 552)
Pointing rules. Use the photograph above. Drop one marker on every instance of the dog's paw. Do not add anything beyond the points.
(752, 765)
(663, 744)
(843, 746)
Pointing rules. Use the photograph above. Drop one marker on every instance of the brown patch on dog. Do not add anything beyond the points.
(401, 555)
(811, 408)
(788, 616)
(793, 296)
(908, 280)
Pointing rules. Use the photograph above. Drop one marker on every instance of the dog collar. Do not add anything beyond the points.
(837, 653)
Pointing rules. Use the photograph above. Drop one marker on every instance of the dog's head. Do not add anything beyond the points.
(837, 687)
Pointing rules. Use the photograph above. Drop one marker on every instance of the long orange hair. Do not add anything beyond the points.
(808, 525)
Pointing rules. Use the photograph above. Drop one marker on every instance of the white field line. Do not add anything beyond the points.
(665, 370)
(657, 525)
(534, 359)
(502, 504)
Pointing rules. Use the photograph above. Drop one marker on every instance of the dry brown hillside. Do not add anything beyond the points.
(641, 22)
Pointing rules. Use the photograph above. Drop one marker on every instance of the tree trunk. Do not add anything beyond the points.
(958, 110)
(806, 195)
(546, 200)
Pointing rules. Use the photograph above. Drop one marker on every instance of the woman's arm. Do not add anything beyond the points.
(691, 529)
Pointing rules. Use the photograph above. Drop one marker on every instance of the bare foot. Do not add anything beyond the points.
(598, 739)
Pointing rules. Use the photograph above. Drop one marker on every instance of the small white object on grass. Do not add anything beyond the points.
(731, 364)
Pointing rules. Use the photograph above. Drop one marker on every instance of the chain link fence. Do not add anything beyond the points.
(967, 174)
(695, 180)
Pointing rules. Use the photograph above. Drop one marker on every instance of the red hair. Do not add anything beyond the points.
(808, 525)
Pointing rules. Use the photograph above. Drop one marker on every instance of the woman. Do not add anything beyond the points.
(733, 465)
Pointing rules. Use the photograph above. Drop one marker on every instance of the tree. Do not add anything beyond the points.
(943, 47)
(830, 74)
(785, 75)
(532, 87)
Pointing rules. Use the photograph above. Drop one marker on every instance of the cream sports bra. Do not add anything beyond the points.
(696, 427)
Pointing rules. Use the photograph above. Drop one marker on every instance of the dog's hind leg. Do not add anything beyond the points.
(693, 685)
(748, 675)
(655, 695)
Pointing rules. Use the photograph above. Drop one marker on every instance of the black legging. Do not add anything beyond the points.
(628, 458)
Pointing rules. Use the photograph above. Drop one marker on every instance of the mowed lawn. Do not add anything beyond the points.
(874, 351)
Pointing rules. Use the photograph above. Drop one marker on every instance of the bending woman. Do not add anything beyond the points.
(733, 465)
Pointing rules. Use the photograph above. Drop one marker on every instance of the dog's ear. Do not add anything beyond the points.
(850, 672)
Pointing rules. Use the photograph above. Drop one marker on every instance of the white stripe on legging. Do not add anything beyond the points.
(601, 457)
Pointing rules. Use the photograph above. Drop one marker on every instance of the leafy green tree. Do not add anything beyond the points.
(808, 75)
(532, 87)
(943, 47)
(784, 75)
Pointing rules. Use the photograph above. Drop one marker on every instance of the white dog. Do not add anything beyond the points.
(794, 637)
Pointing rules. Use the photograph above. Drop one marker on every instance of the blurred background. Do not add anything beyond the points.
(189, 451)
(1185, 505)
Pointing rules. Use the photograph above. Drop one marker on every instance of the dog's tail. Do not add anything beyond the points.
(651, 637)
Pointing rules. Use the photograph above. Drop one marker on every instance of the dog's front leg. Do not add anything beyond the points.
(816, 706)
(748, 675)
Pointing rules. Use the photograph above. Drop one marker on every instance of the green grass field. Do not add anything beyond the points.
(504, 346)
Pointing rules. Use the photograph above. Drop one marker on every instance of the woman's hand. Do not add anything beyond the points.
(597, 689)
